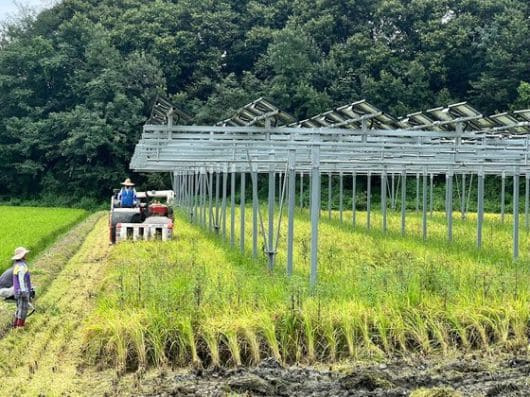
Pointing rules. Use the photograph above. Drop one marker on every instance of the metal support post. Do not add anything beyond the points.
(204, 194)
(516, 215)
(291, 207)
(431, 198)
(210, 200)
(403, 200)
(217, 187)
(223, 210)
(383, 198)
(242, 215)
(279, 187)
(503, 195)
(315, 208)
(272, 197)
(301, 190)
(354, 197)
(417, 192)
(449, 204)
(368, 198)
(526, 200)
(480, 207)
(393, 192)
(424, 207)
(255, 203)
(329, 195)
(232, 205)
(463, 197)
(341, 194)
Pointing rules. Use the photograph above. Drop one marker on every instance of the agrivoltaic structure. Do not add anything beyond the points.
(352, 140)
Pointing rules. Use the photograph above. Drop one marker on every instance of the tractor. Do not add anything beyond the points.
(150, 219)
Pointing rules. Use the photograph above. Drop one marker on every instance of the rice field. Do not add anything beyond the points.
(33, 228)
(196, 300)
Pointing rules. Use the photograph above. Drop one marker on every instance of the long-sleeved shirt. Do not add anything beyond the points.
(21, 277)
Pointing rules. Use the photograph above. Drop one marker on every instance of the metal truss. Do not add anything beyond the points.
(351, 140)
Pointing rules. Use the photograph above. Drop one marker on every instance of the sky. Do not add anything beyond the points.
(8, 8)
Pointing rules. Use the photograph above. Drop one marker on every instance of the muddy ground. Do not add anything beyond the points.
(469, 376)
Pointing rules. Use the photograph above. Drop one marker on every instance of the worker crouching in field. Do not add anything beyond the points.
(22, 286)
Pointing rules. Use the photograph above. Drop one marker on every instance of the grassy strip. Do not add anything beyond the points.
(50, 262)
(196, 300)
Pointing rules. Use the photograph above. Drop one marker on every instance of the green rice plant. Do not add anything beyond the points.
(34, 228)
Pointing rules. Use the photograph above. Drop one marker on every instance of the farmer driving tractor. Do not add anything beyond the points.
(127, 195)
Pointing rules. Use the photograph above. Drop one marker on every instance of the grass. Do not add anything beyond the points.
(197, 300)
(33, 228)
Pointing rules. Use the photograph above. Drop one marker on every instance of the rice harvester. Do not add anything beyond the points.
(150, 219)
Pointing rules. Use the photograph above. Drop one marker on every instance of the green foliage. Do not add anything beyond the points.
(78, 80)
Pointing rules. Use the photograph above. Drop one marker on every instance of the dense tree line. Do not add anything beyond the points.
(78, 80)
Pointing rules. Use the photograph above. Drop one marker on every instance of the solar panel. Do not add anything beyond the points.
(163, 108)
(523, 114)
(256, 113)
(350, 116)
(509, 122)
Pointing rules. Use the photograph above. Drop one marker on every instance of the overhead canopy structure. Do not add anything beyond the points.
(354, 139)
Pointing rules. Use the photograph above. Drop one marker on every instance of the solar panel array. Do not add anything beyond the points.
(355, 137)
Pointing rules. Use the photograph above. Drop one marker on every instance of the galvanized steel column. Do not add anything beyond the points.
(526, 200)
(503, 195)
(353, 197)
(424, 207)
(480, 207)
(403, 200)
(315, 208)
(255, 203)
(329, 195)
(383, 198)
(223, 204)
(516, 215)
(242, 215)
(393, 192)
(217, 187)
(291, 208)
(232, 204)
(301, 190)
(368, 198)
(417, 192)
(272, 197)
(341, 194)
(449, 204)
(463, 197)
(431, 176)
(210, 199)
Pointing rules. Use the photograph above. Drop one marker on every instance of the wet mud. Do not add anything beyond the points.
(469, 376)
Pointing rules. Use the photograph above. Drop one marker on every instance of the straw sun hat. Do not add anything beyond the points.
(127, 182)
(20, 253)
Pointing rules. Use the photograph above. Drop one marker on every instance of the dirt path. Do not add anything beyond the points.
(44, 358)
